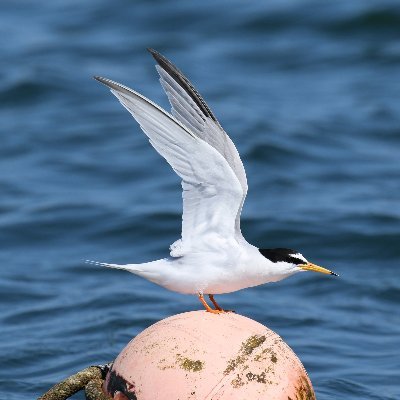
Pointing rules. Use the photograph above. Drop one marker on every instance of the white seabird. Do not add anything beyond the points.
(212, 256)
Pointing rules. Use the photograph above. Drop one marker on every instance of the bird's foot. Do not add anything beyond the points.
(212, 311)
(217, 306)
(217, 310)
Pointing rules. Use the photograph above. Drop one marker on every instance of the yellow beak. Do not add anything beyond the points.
(316, 268)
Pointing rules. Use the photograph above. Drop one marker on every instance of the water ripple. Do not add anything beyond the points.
(309, 93)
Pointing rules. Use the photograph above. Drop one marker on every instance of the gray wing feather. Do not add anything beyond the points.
(212, 194)
(193, 112)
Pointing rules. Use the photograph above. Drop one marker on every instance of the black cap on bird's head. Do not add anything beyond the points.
(293, 257)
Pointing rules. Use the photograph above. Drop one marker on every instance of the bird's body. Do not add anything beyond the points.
(223, 267)
(212, 256)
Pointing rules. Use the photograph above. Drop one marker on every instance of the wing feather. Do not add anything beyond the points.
(212, 194)
(193, 112)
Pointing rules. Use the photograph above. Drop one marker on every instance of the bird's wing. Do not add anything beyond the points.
(212, 193)
(193, 112)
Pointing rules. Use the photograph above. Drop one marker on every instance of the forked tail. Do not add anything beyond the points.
(135, 268)
(150, 270)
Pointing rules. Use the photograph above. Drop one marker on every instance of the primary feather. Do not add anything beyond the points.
(212, 193)
(192, 111)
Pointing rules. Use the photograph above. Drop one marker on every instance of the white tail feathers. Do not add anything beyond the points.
(153, 271)
(128, 267)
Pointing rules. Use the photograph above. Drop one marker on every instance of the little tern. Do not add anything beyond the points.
(212, 256)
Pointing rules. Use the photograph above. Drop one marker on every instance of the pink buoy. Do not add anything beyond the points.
(199, 355)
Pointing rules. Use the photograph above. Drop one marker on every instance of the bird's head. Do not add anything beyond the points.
(293, 261)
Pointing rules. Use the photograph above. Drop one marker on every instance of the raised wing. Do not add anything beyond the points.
(212, 194)
(193, 112)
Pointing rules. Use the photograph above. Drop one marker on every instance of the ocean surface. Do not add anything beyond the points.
(309, 91)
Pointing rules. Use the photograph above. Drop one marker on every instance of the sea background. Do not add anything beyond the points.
(309, 91)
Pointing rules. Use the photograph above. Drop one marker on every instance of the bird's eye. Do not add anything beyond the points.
(297, 259)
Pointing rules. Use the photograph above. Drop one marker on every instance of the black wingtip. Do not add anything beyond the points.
(107, 82)
(115, 85)
(161, 60)
(181, 79)
(100, 79)
(152, 51)
(334, 273)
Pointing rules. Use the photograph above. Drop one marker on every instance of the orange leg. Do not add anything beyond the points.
(207, 307)
(216, 305)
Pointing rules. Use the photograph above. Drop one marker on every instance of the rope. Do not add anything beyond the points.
(90, 379)
(94, 390)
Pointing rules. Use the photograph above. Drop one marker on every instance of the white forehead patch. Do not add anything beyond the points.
(298, 256)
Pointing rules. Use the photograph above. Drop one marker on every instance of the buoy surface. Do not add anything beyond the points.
(199, 355)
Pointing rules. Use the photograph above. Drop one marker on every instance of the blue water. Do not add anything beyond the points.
(309, 92)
